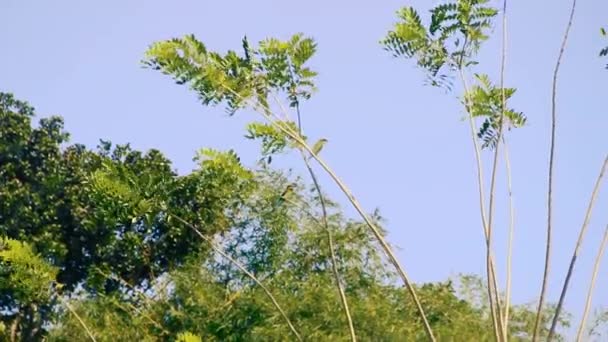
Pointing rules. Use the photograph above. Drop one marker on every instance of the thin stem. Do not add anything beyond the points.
(332, 252)
(73, 312)
(244, 270)
(510, 243)
(543, 290)
(490, 268)
(135, 290)
(503, 62)
(385, 246)
(596, 268)
(138, 311)
(579, 243)
(355, 203)
(330, 239)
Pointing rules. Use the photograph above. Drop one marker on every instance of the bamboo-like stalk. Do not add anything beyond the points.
(579, 243)
(543, 290)
(383, 243)
(510, 242)
(332, 253)
(245, 271)
(84, 326)
(330, 239)
(596, 268)
(490, 267)
(503, 59)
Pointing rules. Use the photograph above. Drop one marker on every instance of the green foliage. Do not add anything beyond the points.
(102, 221)
(27, 286)
(188, 337)
(274, 140)
(25, 274)
(449, 41)
(146, 277)
(253, 78)
(599, 324)
(485, 101)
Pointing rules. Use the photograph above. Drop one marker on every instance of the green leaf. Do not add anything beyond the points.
(188, 337)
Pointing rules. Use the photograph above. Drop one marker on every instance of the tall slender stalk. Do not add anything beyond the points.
(596, 268)
(84, 326)
(332, 253)
(378, 235)
(510, 243)
(496, 151)
(543, 290)
(490, 267)
(579, 243)
(245, 271)
(330, 239)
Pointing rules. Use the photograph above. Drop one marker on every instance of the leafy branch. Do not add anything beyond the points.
(448, 45)
(252, 86)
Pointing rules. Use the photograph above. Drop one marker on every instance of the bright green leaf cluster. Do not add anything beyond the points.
(226, 162)
(24, 273)
(454, 34)
(273, 139)
(188, 337)
(274, 68)
(484, 100)
(283, 66)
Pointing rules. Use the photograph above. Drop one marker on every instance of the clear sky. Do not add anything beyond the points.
(80, 59)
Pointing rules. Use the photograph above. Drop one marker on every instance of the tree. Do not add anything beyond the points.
(46, 200)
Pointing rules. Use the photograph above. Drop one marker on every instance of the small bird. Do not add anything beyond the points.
(286, 193)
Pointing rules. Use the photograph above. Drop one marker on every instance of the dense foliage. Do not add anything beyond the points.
(107, 241)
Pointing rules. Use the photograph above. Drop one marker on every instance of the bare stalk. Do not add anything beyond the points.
(596, 268)
(510, 243)
(543, 290)
(244, 270)
(577, 248)
(490, 268)
(332, 252)
(503, 62)
(330, 239)
(84, 326)
(383, 243)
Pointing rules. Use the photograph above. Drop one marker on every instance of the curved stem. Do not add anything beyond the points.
(596, 268)
(543, 290)
(577, 248)
(245, 271)
(377, 234)
(330, 239)
(332, 252)
(73, 312)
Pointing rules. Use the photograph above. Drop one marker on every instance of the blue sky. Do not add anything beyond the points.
(81, 60)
